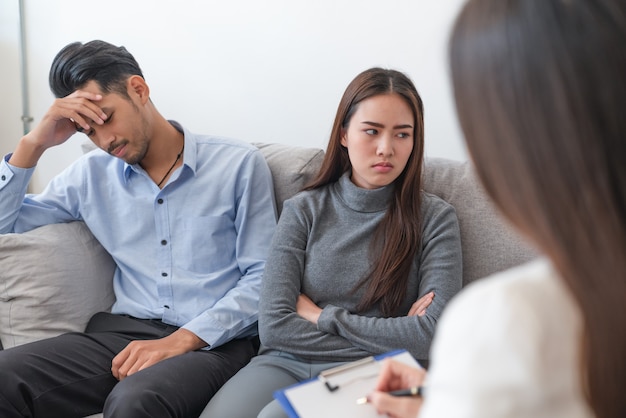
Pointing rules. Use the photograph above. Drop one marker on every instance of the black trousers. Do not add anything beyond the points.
(70, 375)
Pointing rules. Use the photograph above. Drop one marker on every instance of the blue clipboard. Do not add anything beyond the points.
(326, 378)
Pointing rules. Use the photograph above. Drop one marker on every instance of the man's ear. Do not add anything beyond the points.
(137, 86)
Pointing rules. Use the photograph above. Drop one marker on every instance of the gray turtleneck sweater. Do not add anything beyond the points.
(320, 248)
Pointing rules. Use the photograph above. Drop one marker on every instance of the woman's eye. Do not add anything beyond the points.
(404, 135)
(371, 131)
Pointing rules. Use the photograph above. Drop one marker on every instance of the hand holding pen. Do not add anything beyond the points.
(398, 391)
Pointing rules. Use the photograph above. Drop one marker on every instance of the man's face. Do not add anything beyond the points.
(125, 132)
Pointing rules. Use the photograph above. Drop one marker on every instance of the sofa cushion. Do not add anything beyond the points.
(292, 168)
(53, 279)
(488, 242)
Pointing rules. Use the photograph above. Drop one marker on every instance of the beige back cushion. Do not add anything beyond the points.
(489, 243)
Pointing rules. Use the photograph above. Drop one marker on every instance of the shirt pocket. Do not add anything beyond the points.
(207, 244)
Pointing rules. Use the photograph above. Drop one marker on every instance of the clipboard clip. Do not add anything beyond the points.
(326, 374)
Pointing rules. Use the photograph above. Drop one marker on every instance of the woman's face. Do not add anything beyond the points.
(379, 139)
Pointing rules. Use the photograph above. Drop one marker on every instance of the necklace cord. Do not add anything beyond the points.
(172, 167)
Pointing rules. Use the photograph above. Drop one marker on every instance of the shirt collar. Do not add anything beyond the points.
(189, 153)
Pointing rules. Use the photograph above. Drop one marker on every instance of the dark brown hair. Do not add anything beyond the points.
(540, 89)
(398, 237)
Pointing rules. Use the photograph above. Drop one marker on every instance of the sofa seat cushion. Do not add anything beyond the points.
(52, 280)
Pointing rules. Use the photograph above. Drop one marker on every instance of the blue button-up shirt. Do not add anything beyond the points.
(191, 254)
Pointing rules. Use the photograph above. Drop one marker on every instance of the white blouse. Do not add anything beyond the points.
(508, 346)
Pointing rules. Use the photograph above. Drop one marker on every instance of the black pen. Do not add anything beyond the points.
(413, 391)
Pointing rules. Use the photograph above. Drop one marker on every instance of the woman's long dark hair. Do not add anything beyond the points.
(540, 88)
(398, 236)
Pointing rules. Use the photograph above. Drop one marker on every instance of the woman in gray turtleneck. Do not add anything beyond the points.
(362, 262)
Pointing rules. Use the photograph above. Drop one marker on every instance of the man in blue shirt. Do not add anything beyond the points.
(187, 219)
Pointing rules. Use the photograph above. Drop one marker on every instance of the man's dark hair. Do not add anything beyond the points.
(106, 64)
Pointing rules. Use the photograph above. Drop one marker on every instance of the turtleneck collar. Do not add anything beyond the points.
(362, 200)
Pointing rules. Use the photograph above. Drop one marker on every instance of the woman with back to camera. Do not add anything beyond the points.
(540, 92)
(362, 262)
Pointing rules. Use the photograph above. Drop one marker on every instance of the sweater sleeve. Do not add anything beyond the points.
(439, 270)
(280, 327)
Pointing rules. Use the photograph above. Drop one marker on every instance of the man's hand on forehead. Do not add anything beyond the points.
(84, 111)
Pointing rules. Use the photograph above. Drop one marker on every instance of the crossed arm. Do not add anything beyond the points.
(307, 309)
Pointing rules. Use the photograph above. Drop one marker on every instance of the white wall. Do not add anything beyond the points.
(10, 95)
(270, 71)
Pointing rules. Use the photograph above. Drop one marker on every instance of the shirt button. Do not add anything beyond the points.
(160, 201)
(166, 306)
(3, 177)
(164, 274)
(163, 242)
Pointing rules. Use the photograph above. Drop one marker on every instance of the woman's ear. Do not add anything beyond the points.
(344, 141)
(137, 86)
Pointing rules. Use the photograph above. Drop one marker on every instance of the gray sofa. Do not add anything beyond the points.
(52, 279)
